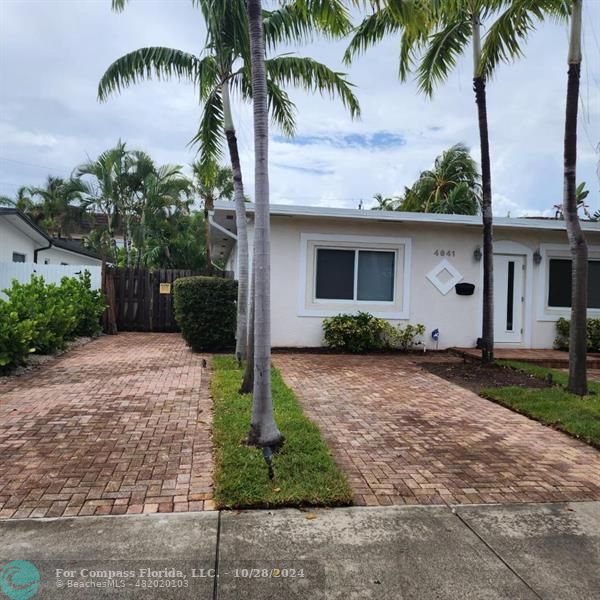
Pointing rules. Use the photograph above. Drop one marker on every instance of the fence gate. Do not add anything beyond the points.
(140, 299)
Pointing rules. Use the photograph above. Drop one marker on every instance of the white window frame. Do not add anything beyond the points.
(355, 299)
(356, 243)
(558, 251)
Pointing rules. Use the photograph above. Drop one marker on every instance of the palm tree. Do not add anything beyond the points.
(163, 192)
(438, 33)
(577, 241)
(263, 429)
(132, 191)
(224, 66)
(23, 202)
(212, 182)
(580, 195)
(104, 180)
(385, 202)
(59, 204)
(451, 187)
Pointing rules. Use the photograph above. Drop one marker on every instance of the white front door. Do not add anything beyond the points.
(509, 297)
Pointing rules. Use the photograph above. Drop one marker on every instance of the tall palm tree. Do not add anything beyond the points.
(223, 67)
(577, 241)
(263, 429)
(434, 35)
(104, 180)
(163, 192)
(212, 182)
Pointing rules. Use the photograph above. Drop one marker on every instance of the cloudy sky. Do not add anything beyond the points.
(52, 54)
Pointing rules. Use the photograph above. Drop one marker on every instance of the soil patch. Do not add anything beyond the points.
(475, 376)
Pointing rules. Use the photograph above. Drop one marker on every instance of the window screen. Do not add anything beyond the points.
(335, 274)
(18, 257)
(375, 276)
(559, 288)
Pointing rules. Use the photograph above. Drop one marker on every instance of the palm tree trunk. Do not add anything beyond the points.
(208, 206)
(577, 241)
(263, 429)
(487, 347)
(241, 225)
(248, 381)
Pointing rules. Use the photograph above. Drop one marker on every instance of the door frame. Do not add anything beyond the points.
(508, 247)
(517, 331)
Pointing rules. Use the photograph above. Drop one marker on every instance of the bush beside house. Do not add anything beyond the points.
(205, 310)
(41, 317)
(563, 327)
(365, 333)
(15, 337)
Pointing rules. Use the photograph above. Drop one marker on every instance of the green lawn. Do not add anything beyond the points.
(554, 406)
(305, 473)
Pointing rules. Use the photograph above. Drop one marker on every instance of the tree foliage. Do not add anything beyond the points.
(225, 60)
(453, 186)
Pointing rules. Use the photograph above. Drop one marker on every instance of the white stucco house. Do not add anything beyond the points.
(22, 241)
(405, 267)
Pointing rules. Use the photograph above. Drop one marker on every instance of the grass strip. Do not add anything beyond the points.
(554, 406)
(305, 472)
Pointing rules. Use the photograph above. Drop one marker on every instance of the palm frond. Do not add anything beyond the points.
(145, 63)
(443, 50)
(281, 108)
(308, 74)
(119, 5)
(210, 132)
(371, 30)
(505, 37)
(290, 23)
(329, 16)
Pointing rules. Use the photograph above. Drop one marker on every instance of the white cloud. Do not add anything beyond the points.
(52, 54)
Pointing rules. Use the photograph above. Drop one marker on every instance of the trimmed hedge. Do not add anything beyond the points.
(205, 310)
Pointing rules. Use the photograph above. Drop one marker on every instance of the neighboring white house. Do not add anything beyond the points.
(404, 267)
(23, 241)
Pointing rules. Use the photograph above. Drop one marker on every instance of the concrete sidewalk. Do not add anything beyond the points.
(473, 552)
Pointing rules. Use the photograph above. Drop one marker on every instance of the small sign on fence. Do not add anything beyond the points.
(165, 288)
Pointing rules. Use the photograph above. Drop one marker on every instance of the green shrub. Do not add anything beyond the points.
(403, 338)
(365, 333)
(15, 337)
(88, 303)
(563, 327)
(205, 309)
(48, 308)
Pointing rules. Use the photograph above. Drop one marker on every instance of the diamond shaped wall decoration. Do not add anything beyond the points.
(444, 276)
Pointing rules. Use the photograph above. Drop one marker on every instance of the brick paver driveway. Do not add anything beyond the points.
(404, 435)
(121, 425)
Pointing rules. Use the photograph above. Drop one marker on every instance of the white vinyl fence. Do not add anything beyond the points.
(51, 273)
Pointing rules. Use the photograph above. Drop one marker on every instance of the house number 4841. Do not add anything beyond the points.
(438, 252)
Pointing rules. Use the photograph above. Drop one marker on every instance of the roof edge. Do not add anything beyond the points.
(409, 217)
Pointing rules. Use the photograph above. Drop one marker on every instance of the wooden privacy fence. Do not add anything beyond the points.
(142, 299)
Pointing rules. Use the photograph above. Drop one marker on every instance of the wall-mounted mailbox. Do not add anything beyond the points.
(464, 289)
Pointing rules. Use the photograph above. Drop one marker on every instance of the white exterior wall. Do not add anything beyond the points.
(14, 240)
(57, 256)
(297, 320)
